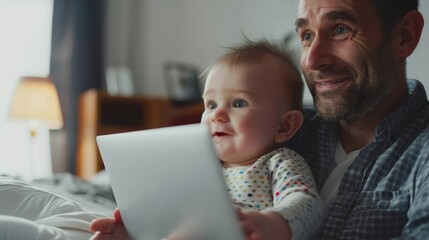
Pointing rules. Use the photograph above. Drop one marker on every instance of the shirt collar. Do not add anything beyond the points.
(393, 124)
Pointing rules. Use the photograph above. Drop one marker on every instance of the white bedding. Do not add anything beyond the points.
(95, 196)
(28, 211)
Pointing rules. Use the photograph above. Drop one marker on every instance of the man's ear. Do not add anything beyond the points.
(290, 123)
(407, 33)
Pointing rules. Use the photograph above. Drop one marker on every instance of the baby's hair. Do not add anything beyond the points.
(250, 52)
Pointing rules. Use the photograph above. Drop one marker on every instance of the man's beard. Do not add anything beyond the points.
(360, 100)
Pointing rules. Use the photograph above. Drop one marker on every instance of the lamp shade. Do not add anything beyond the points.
(36, 99)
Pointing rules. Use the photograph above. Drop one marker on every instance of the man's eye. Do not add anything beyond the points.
(306, 37)
(239, 103)
(211, 105)
(341, 30)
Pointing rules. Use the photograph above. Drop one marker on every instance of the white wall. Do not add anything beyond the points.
(143, 34)
(418, 66)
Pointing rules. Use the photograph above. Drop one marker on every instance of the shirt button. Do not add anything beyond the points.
(383, 204)
(358, 201)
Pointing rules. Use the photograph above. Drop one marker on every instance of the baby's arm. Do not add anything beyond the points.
(295, 194)
(109, 228)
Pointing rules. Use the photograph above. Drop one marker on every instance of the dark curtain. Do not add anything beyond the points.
(76, 59)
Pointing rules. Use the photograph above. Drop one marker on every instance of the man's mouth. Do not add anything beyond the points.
(331, 82)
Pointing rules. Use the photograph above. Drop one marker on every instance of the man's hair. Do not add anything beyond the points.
(392, 11)
(250, 52)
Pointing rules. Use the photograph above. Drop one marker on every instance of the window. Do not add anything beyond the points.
(25, 44)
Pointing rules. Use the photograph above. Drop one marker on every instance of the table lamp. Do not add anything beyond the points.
(36, 102)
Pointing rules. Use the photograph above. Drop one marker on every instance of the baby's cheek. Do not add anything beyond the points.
(221, 149)
(204, 118)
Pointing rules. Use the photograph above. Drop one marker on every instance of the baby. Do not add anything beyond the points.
(253, 98)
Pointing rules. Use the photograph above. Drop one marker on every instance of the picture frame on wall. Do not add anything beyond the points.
(182, 83)
(119, 81)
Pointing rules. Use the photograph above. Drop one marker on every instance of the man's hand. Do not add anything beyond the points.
(109, 228)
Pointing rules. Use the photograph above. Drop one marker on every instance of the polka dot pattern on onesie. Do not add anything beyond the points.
(282, 181)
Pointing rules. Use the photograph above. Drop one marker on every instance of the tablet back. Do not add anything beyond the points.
(169, 182)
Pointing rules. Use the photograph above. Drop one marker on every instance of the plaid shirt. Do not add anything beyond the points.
(384, 193)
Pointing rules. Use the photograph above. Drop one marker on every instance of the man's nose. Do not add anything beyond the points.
(318, 55)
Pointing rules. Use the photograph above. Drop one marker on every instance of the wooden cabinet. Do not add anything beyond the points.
(100, 113)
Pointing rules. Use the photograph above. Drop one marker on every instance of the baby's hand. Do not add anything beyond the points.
(259, 225)
(109, 228)
(254, 224)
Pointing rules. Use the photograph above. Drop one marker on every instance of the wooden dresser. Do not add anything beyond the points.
(100, 113)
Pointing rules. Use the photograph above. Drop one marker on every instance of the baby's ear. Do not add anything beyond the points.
(290, 123)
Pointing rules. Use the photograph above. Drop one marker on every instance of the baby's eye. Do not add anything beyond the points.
(211, 105)
(239, 103)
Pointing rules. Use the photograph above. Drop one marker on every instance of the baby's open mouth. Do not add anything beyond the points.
(220, 134)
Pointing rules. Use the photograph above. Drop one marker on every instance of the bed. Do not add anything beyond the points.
(94, 194)
(60, 207)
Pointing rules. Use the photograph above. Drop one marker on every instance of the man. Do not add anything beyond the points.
(368, 140)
